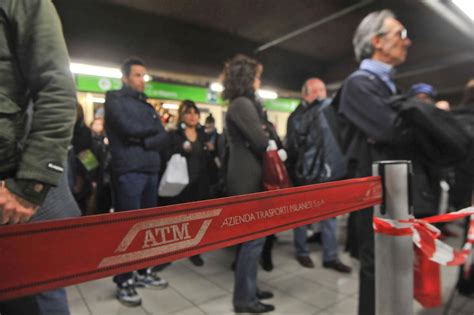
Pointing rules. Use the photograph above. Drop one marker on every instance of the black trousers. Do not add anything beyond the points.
(27, 305)
(365, 236)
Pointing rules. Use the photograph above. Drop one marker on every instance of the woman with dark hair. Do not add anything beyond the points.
(247, 144)
(189, 140)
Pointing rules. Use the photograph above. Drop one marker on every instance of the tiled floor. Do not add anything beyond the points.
(208, 289)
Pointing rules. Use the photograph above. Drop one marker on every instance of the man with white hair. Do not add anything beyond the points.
(369, 123)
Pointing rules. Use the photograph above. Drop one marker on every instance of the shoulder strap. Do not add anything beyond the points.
(307, 124)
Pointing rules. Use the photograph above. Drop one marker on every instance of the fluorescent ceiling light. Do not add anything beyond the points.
(268, 94)
(81, 68)
(216, 87)
(98, 99)
(170, 106)
(466, 6)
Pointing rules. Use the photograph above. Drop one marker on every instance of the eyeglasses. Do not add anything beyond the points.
(402, 33)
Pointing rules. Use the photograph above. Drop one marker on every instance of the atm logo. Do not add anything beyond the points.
(157, 237)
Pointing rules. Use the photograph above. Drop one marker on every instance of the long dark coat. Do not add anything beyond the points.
(247, 143)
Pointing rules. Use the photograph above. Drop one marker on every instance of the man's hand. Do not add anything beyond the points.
(13, 209)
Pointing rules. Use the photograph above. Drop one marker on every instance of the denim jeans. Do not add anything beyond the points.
(245, 284)
(53, 302)
(328, 238)
(134, 191)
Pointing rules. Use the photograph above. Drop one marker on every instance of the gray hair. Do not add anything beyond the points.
(371, 25)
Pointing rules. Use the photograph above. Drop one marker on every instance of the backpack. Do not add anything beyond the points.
(439, 137)
(320, 157)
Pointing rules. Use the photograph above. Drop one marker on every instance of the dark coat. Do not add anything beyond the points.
(135, 132)
(314, 155)
(33, 69)
(247, 143)
(372, 131)
(368, 134)
(198, 161)
(461, 192)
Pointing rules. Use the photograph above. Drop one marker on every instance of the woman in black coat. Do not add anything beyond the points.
(190, 140)
(247, 144)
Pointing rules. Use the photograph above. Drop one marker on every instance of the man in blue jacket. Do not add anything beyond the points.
(370, 131)
(313, 158)
(136, 134)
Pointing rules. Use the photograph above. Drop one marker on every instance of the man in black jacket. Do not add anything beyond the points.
(369, 132)
(310, 146)
(136, 134)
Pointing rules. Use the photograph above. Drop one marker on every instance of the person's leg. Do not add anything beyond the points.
(299, 237)
(147, 278)
(149, 195)
(365, 234)
(128, 190)
(301, 247)
(245, 286)
(328, 235)
(53, 302)
(329, 239)
(194, 192)
(27, 305)
(266, 256)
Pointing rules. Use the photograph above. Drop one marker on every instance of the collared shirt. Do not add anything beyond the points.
(384, 71)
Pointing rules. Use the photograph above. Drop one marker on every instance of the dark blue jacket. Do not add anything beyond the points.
(372, 131)
(135, 132)
(313, 153)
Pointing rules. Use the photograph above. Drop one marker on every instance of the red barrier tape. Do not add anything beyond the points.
(40, 256)
(425, 236)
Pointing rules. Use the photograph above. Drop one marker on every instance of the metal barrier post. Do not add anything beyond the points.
(394, 255)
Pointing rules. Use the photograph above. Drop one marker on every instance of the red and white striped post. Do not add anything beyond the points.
(394, 255)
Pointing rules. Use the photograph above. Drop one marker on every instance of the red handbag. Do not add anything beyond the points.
(274, 172)
(427, 281)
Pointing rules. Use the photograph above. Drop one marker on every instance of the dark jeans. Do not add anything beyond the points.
(53, 302)
(245, 285)
(27, 305)
(58, 204)
(134, 191)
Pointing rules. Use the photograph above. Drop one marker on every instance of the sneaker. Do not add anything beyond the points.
(150, 281)
(127, 295)
(337, 265)
(305, 261)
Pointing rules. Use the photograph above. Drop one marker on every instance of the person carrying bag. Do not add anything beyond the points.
(175, 177)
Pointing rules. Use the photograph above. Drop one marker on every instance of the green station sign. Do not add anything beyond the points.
(172, 91)
(176, 92)
(282, 104)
